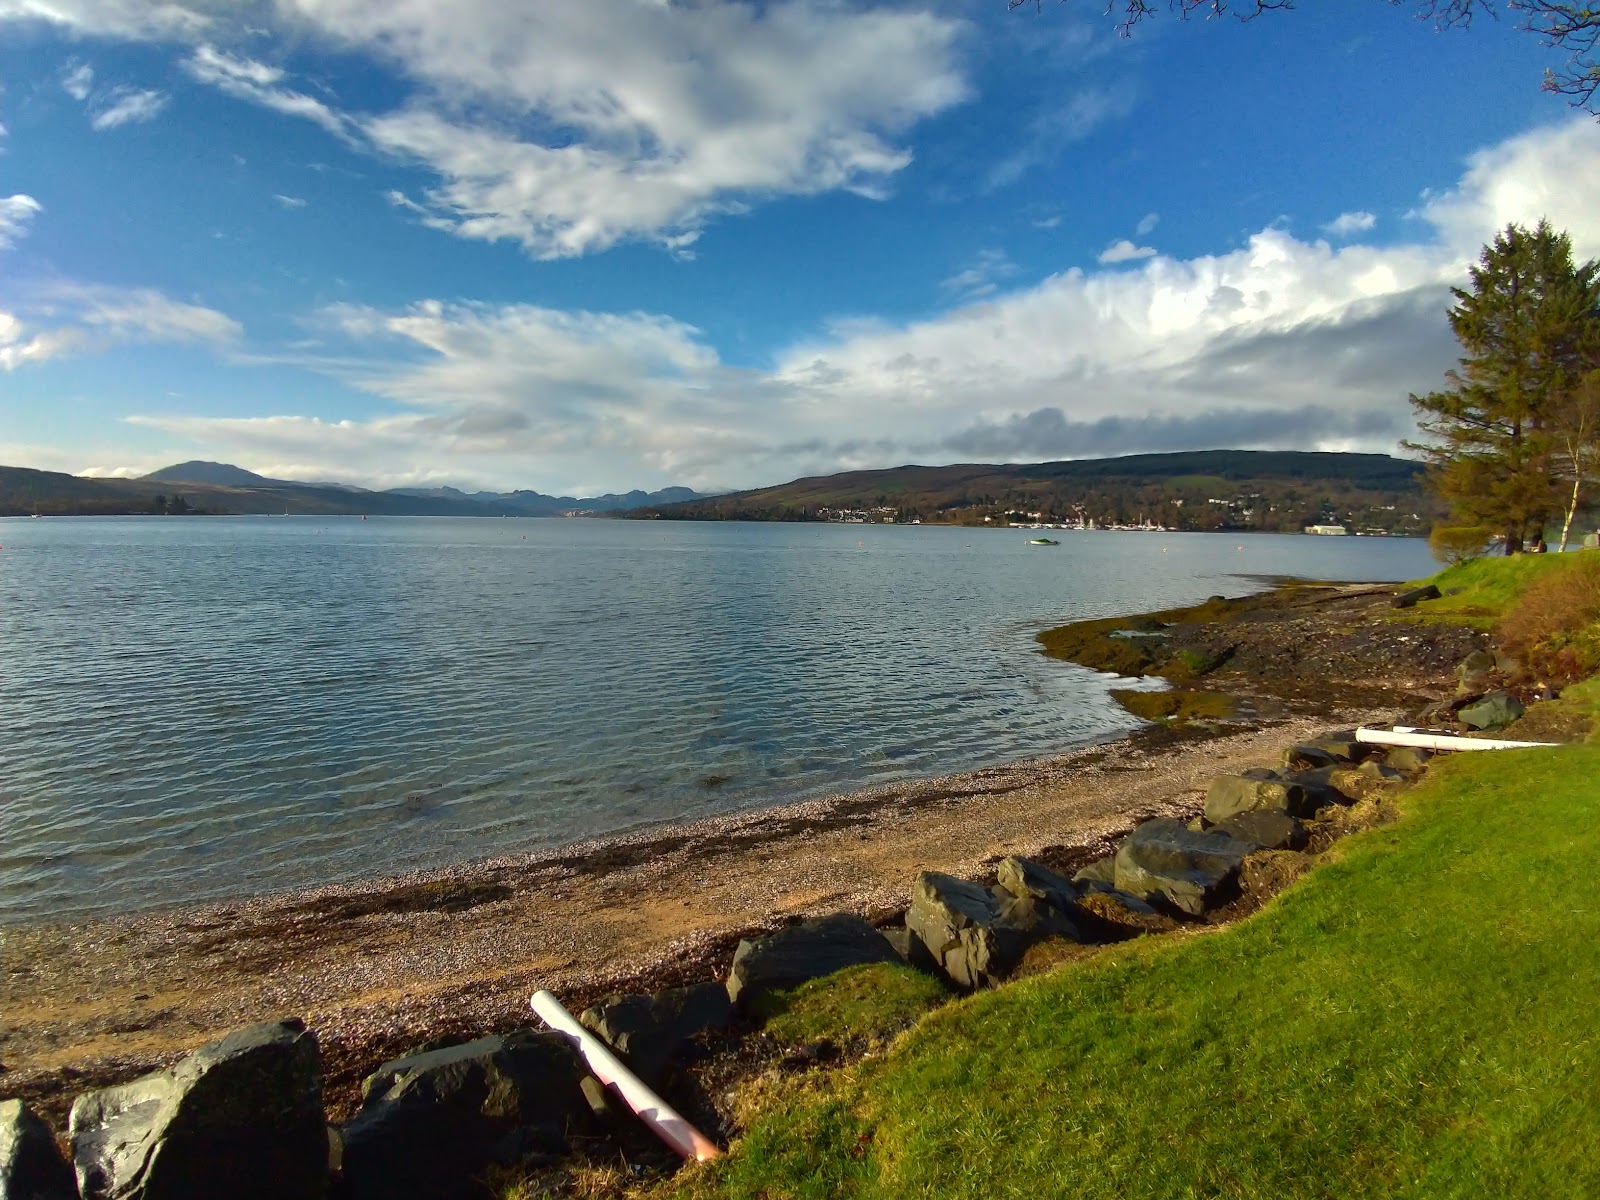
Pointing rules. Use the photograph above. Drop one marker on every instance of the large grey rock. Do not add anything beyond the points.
(805, 951)
(241, 1117)
(1494, 711)
(1330, 750)
(649, 1030)
(1410, 759)
(975, 935)
(1101, 870)
(31, 1167)
(1265, 830)
(432, 1123)
(1256, 791)
(1190, 869)
(1414, 596)
(1024, 877)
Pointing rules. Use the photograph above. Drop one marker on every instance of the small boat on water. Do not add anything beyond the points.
(1043, 542)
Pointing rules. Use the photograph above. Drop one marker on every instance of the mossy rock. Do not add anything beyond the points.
(1177, 707)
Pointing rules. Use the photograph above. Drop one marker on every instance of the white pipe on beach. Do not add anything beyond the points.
(655, 1112)
(1439, 741)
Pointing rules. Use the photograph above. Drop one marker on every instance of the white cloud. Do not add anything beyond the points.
(137, 19)
(1125, 251)
(127, 106)
(1349, 224)
(1051, 131)
(258, 83)
(983, 277)
(66, 318)
(567, 128)
(16, 214)
(1281, 342)
(77, 78)
(1147, 223)
(289, 201)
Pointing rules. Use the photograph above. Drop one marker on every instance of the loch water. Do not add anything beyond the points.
(200, 708)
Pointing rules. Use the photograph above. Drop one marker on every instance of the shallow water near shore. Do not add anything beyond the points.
(205, 708)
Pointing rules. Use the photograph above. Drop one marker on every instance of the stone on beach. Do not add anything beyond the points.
(648, 1030)
(1413, 597)
(977, 935)
(1494, 711)
(803, 952)
(31, 1167)
(241, 1117)
(1192, 870)
(434, 1120)
(1257, 791)
(1265, 830)
(1024, 877)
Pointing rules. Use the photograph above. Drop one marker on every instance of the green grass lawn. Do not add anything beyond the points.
(1419, 1017)
(1485, 588)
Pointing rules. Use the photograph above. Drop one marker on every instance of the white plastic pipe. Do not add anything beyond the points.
(662, 1119)
(1439, 741)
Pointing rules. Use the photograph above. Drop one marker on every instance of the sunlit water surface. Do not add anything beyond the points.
(197, 708)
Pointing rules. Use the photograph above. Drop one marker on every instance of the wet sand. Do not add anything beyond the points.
(382, 967)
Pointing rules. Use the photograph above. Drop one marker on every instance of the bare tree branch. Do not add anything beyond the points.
(1574, 28)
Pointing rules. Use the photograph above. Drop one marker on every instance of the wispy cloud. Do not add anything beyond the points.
(127, 106)
(77, 78)
(258, 83)
(1125, 251)
(63, 318)
(1147, 223)
(1349, 224)
(289, 201)
(16, 214)
(983, 277)
(1048, 133)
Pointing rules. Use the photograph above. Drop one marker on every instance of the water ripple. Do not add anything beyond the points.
(202, 708)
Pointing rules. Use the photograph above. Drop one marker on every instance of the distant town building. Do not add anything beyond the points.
(1328, 530)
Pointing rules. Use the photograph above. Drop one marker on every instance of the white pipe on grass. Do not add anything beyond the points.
(1439, 741)
(655, 1112)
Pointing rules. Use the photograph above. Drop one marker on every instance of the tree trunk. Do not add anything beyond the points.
(1513, 540)
(1572, 507)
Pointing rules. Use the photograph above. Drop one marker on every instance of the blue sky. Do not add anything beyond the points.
(581, 247)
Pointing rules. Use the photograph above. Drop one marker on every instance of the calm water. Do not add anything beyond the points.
(208, 707)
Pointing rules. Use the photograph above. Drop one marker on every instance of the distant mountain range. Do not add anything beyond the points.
(1199, 489)
(213, 487)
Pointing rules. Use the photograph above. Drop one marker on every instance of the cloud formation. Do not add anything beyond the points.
(127, 106)
(1124, 251)
(1281, 342)
(16, 214)
(69, 318)
(1349, 224)
(568, 128)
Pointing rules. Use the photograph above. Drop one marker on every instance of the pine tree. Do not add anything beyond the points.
(1529, 327)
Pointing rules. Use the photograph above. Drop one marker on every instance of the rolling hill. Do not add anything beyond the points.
(1201, 489)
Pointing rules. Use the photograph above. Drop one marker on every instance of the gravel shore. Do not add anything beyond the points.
(381, 967)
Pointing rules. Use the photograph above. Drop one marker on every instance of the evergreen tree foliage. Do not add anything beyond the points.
(1529, 327)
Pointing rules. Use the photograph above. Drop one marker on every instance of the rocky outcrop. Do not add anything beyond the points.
(974, 934)
(805, 951)
(246, 1110)
(1258, 791)
(1024, 877)
(1265, 830)
(432, 1121)
(31, 1168)
(1192, 870)
(1494, 711)
(1415, 596)
(648, 1030)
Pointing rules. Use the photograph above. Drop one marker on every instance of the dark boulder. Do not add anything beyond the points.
(648, 1030)
(1257, 790)
(805, 951)
(1192, 870)
(1409, 759)
(31, 1167)
(1494, 711)
(1265, 830)
(1024, 877)
(976, 935)
(241, 1117)
(1411, 598)
(1101, 870)
(434, 1122)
